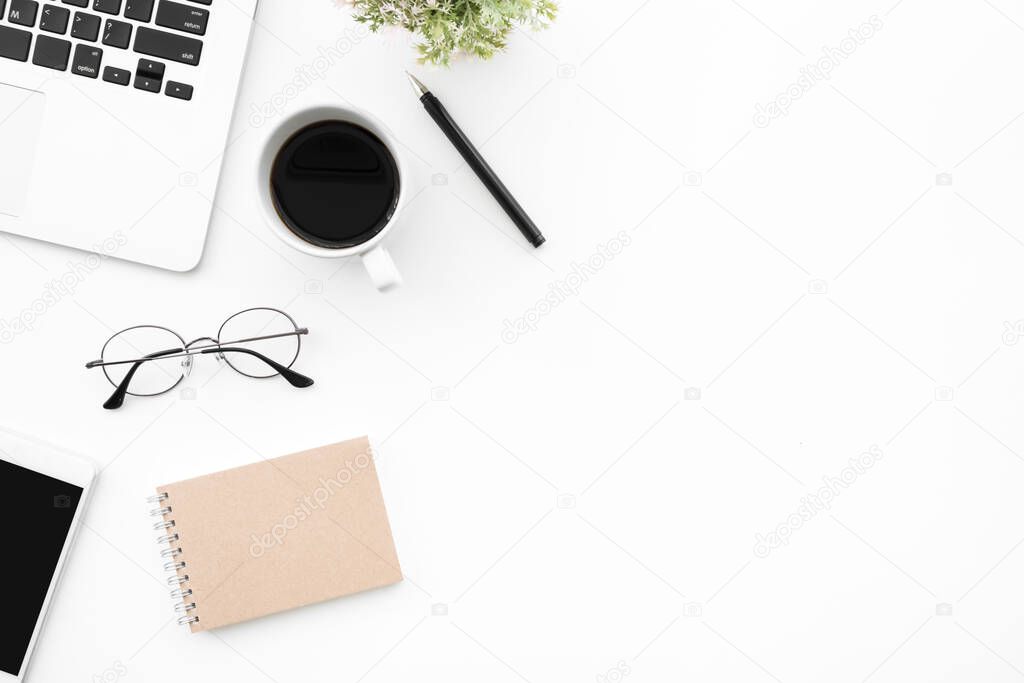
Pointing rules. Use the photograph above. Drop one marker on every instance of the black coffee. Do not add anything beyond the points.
(335, 184)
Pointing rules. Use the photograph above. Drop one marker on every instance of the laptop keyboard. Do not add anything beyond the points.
(159, 30)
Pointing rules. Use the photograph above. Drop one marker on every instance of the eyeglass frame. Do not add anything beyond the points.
(294, 378)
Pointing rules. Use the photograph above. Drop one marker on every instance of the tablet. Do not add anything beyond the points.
(43, 491)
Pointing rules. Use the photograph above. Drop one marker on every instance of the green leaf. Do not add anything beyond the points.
(447, 27)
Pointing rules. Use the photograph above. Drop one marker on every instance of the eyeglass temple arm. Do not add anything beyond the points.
(294, 378)
(116, 399)
(197, 350)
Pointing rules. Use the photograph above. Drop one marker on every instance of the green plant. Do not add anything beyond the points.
(447, 27)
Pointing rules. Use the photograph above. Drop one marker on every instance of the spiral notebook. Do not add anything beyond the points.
(275, 535)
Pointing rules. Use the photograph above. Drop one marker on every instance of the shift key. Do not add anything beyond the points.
(181, 17)
(165, 45)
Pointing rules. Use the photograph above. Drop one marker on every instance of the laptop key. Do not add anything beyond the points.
(14, 43)
(170, 46)
(117, 34)
(76, 3)
(55, 19)
(52, 53)
(147, 67)
(87, 61)
(85, 26)
(139, 10)
(149, 75)
(181, 91)
(23, 12)
(147, 84)
(182, 17)
(107, 6)
(112, 74)
(201, 2)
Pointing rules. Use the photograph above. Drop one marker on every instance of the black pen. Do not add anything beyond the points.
(476, 161)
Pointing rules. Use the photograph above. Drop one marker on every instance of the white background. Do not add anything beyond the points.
(582, 503)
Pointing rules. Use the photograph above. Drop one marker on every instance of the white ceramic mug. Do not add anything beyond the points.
(375, 257)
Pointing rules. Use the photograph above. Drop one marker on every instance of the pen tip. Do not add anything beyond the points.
(417, 87)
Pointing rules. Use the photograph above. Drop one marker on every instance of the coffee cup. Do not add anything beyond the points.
(331, 184)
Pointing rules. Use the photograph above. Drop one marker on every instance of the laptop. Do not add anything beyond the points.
(114, 117)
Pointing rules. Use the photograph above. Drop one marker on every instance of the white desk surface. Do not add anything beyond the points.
(582, 502)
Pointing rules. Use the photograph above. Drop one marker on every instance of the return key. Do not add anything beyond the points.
(182, 17)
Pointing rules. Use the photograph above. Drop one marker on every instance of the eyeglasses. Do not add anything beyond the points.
(149, 360)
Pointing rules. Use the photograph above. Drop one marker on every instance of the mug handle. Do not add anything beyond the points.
(382, 269)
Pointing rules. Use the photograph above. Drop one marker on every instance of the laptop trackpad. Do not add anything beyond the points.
(21, 115)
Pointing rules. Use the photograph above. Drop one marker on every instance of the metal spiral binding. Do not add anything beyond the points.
(180, 594)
